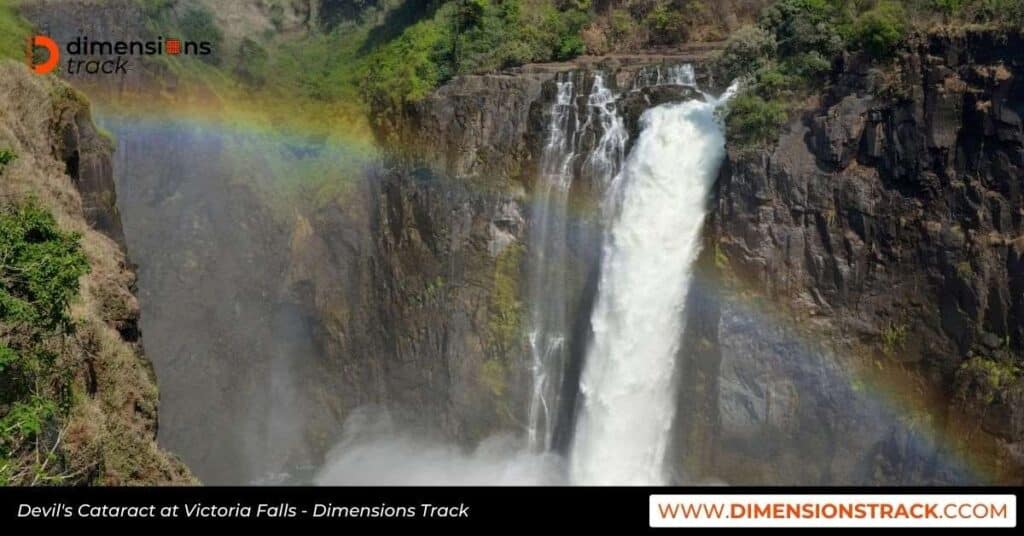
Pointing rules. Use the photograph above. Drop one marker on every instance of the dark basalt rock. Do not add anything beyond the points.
(860, 262)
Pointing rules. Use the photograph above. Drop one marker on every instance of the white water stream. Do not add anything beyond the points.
(659, 202)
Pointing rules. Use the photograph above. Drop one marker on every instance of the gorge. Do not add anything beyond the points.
(565, 271)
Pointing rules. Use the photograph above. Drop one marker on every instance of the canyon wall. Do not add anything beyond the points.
(862, 315)
(857, 319)
(64, 164)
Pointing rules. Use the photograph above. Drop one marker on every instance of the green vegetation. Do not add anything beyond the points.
(14, 32)
(782, 59)
(466, 36)
(493, 376)
(198, 24)
(252, 63)
(965, 270)
(1008, 13)
(6, 157)
(431, 292)
(749, 50)
(666, 24)
(385, 53)
(753, 119)
(788, 53)
(984, 378)
(880, 30)
(505, 311)
(721, 259)
(893, 338)
(39, 274)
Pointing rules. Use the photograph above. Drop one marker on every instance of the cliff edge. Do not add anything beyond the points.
(95, 391)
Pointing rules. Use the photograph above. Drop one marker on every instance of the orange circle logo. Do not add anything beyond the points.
(41, 41)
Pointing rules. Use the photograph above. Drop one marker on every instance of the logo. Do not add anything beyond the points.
(53, 51)
(89, 57)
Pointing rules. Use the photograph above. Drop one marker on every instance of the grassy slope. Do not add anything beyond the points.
(78, 402)
(14, 31)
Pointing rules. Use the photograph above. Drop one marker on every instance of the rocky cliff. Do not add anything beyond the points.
(109, 434)
(427, 320)
(861, 321)
(856, 320)
(452, 205)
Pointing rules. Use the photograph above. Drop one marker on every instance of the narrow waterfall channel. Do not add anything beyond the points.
(561, 164)
(548, 313)
(658, 203)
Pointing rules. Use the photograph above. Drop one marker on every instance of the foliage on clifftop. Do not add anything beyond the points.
(789, 52)
(387, 52)
(465, 36)
(469, 36)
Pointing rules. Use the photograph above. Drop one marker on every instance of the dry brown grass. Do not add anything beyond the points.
(109, 434)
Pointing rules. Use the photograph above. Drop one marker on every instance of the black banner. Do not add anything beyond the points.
(620, 510)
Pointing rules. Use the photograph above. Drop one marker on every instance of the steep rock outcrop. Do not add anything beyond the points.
(867, 322)
(450, 232)
(430, 325)
(109, 436)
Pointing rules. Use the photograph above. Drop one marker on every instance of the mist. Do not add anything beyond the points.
(375, 451)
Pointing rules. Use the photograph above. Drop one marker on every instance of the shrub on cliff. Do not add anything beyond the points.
(510, 33)
(409, 67)
(790, 52)
(40, 270)
(6, 157)
(802, 26)
(251, 67)
(666, 25)
(879, 30)
(40, 266)
(754, 120)
(1007, 13)
(748, 50)
(13, 32)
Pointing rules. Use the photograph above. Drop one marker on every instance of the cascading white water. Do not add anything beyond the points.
(606, 156)
(666, 75)
(658, 203)
(679, 75)
(655, 208)
(549, 315)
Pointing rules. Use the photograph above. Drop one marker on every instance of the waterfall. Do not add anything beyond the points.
(548, 314)
(606, 156)
(658, 201)
(665, 75)
(550, 259)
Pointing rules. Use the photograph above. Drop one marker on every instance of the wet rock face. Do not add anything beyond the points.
(450, 243)
(880, 232)
(447, 221)
(87, 160)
